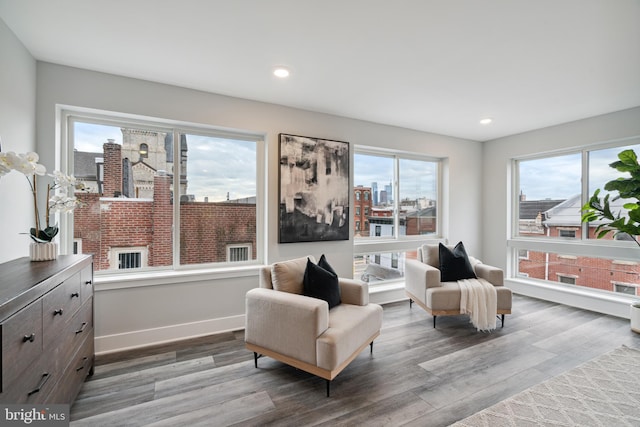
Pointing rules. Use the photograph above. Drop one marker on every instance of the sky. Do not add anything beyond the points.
(559, 177)
(215, 166)
(418, 178)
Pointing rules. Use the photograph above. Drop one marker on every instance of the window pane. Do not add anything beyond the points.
(549, 196)
(418, 193)
(217, 199)
(599, 174)
(378, 268)
(594, 273)
(127, 201)
(373, 175)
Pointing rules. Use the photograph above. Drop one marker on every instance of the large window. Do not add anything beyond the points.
(551, 191)
(400, 201)
(131, 218)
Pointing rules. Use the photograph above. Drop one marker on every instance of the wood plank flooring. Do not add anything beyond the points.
(416, 376)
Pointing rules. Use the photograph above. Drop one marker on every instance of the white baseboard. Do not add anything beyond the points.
(143, 338)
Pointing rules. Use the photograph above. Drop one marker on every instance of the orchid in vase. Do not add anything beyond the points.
(60, 196)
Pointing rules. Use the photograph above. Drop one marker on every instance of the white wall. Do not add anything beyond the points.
(496, 159)
(140, 312)
(17, 130)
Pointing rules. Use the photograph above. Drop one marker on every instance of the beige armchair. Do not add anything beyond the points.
(423, 285)
(302, 331)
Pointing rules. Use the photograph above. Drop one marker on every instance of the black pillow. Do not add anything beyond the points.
(454, 264)
(320, 281)
(325, 264)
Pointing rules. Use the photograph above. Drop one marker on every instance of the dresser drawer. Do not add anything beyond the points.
(59, 306)
(33, 385)
(73, 335)
(86, 283)
(22, 341)
(79, 368)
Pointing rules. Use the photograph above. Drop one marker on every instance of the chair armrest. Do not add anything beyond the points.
(420, 276)
(284, 322)
(353, 292)
(493, 275)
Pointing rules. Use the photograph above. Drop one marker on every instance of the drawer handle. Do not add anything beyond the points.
(43, 381)
(58, 312)
(75, 295)
(29, 338)
(79, 331)
(84, 359)
(88, 282)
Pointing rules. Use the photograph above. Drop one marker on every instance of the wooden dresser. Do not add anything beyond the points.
(46, 325)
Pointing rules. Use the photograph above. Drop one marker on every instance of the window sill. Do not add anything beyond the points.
(171, 277)
(602, 302)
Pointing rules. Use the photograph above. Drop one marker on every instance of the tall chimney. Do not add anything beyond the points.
(112, 169)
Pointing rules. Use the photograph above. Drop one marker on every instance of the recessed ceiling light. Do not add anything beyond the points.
(281, 72)
(486, 121)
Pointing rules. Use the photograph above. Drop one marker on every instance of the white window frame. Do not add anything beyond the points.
(566, 276)
(78, 246)
(397, 243)
(67, 115)
(615, 285)
(232, 246)
(114, 257)
(579, 247)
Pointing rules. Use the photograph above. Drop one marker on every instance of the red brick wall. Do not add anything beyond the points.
(161, 250)
(112, 169)
(420, 225)
(595, 273)
(207, 228)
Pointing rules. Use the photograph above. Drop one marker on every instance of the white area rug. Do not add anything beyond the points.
(604, 392)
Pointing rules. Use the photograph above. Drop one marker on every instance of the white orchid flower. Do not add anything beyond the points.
(25, 163)
(4, 164)
(62, 179)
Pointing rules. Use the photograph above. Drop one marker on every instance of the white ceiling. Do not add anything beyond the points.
(432, 65)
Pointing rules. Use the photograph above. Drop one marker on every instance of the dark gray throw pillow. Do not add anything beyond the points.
(321, 281)
(454, 264)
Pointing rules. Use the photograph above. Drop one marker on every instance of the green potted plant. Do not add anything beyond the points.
(599, 209)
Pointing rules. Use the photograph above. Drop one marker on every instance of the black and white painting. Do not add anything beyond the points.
(314, 189)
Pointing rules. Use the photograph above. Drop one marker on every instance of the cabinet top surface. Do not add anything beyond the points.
(20, 277)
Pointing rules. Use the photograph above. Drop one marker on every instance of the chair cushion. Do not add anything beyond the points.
(349, 327)
(288, 276)
(321, 282)
(454, 263)
(447, 297)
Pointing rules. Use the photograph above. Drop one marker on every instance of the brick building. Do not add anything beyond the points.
(136, 232)
(561, 219)
(362, 209)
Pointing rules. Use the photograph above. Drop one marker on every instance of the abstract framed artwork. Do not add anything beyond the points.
(314, 189)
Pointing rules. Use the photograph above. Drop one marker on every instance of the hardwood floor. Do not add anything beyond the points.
(416, 376)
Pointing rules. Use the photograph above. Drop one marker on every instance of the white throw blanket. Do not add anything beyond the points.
(478, 299)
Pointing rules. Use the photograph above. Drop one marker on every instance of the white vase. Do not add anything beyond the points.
(43, 251)
(635, 317)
